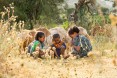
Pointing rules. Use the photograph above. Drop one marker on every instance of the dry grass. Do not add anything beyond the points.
(101, 63)
(23, 66)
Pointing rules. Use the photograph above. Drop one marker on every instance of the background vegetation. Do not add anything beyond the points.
(51, 13)
(47, 13)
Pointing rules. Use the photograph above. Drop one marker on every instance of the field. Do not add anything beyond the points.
(23, 66)
(101, 63)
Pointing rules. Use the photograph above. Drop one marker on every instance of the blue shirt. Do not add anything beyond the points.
(83, 42)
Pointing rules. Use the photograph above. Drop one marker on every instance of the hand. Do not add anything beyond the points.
(77, 47)
(36, 52)
(74, 46)
(37, 48)
(57, 46)
(41, 52)
(53, 48)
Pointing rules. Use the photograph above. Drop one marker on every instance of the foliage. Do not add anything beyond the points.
(33, 11)
(8, 34)
(84, 18)
(86, 14)
(14, 65)
(65, 24)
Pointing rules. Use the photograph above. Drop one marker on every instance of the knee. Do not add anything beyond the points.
(51, 52)
(35, 54)
(63, 48)
(53, 48)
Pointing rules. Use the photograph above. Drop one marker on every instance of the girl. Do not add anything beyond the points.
(81, 45)
(38, 45)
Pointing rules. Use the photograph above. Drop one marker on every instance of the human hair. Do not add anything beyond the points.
(56, 36)
(73, 29)
(70, 31)
(39, 35)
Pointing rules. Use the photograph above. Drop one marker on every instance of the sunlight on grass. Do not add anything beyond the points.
(16, 65)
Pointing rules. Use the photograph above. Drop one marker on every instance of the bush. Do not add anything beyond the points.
(8, 32)
(65, 24)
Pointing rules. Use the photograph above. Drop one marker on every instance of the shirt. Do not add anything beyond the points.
(35, 44)
(83, 42)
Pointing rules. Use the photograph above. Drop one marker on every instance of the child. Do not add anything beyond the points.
(81, 45)
(37, 45)
(59, 45)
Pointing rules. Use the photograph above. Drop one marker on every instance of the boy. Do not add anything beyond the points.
(60, 47)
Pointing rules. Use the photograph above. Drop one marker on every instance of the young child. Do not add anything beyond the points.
(60, 47)
(37, 45)
(81, 45)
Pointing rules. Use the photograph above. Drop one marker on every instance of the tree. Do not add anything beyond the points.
(45, 11)
(83, 13)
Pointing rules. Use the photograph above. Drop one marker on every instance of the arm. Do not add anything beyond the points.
(77, 48)
(58, 45)
(81, 43)
(54, 49)
(37, 48)
(77, 44)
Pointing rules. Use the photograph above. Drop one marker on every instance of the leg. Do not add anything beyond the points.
(55, 52)
(83, 53)
(41, 53)
(63, 53)
(74, 52)
(51, 53)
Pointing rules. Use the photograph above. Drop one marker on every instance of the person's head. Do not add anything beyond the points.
(73, 32)
(56, 38)
(40, 36)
